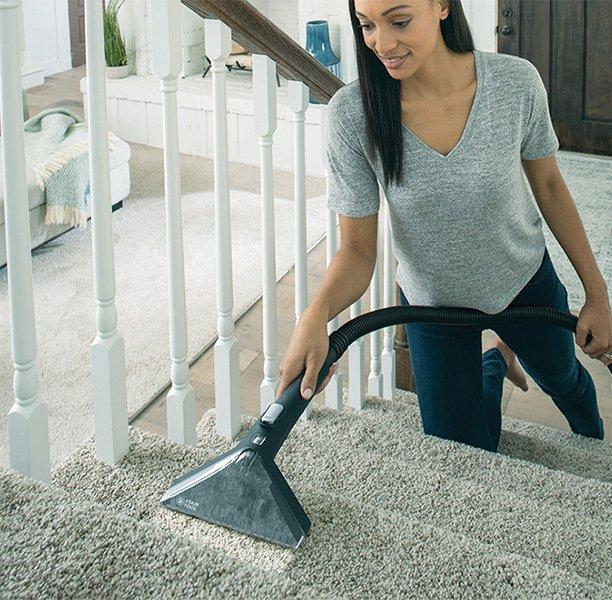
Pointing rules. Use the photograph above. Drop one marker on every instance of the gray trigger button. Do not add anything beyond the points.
(272, 413)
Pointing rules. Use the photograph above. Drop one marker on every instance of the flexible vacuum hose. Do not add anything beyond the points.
(291, 400)
(352, 330)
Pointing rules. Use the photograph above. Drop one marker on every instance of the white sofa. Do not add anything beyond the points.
(39, 232)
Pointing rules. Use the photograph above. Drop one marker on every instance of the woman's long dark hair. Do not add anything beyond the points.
(380, 92)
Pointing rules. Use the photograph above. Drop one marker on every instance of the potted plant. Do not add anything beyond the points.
(114, 43)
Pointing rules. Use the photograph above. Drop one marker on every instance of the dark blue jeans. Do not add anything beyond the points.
(459, 389)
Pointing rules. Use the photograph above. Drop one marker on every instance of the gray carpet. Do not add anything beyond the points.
(395, 514)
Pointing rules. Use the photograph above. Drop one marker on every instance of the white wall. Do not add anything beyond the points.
(47, 35)
(47, 32)
(283, 14)
(482, 17)
(135, 26)
(291, 16)
(135, 23)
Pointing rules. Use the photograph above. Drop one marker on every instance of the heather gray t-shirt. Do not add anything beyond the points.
(466, 229)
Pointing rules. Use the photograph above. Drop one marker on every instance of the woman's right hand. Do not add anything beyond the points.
(307, 350)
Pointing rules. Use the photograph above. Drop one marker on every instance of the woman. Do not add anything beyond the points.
(449, 129)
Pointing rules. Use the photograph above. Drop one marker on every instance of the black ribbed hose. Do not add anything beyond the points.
(352, 330)
(339, 340)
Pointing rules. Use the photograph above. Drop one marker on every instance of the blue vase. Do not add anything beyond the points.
(318, 44)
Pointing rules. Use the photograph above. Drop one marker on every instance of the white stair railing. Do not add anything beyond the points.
(388, 353)
(28, 419)
(297, 99)
(227, 369)
(28, 428)
(107, 350)
(375, 378)
(167, 64)
(356, 359)
(381, 379)
(333, 390)
(264, 96)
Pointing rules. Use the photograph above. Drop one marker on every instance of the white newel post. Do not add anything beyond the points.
(264, 97)
(388, 353)
(375, 382)
(28, 418)
(167, 65)
(227, 369)
(333, 390)
(298, 95)
(107, 350)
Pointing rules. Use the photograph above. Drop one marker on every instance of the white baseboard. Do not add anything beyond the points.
(31, 76)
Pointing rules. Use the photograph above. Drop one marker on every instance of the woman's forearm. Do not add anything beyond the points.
(346, 280)
(559, 211)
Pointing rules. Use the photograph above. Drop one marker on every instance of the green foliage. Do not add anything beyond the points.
(114, 43)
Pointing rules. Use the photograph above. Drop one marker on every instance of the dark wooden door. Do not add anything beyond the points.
(569, 42)
(76, 11)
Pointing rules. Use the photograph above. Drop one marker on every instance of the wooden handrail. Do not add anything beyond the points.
(257, 34)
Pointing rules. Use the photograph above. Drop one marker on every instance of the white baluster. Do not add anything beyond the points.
(333, 390)
(375, 381)
(28, 418)
(388, 353)
(167, 65)
(297, 98)
(227, 369)
(264, 96)
(356, 354)
(107, 350)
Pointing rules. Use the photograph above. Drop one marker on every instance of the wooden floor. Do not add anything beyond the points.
(533, 405)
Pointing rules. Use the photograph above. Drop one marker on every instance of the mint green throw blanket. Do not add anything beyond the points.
(60, 160)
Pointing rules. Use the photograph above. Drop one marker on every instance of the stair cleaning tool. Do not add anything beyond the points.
(243, 489)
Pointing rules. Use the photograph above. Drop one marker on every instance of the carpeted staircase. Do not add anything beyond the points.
(395, 514)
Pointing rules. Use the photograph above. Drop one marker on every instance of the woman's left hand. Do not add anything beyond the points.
(596, 318)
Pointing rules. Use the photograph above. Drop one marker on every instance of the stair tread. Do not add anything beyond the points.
(410, 483)
(543, 446)
(540, 444)
(347, 538)
(54, 544)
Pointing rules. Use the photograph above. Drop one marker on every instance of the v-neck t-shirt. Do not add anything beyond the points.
(466, 230)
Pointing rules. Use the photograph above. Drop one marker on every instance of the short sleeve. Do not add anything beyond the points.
(539, 138)
(352, 185)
